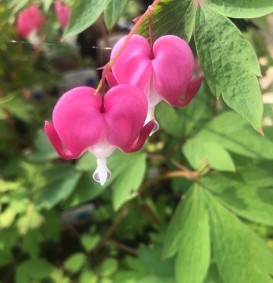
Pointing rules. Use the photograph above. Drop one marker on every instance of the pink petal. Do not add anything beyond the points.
(133, 65)
(173, 66)
(125, 114)
(57, 143)
(29, 20)
(62, 13)
(77, 119)
(144, 133)
(191, 92)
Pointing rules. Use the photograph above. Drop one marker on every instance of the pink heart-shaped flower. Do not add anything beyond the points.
(62, 13)
(80, 124)
(30, 20)
(163, 72)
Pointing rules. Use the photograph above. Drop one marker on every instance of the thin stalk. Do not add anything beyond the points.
(109, 65)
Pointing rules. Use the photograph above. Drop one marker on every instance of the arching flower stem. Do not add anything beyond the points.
(109, 65)
(151, 31)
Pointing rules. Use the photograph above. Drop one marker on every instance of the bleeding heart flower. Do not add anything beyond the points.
(62, 13)
(163, 72)
(83, 122)
(29, 22)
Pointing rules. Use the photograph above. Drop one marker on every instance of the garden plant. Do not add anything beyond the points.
(158, 171)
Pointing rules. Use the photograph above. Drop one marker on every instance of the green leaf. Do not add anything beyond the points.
(108, 267)
(32, 219)
(127, 173)
(150, 257)
(188, 235)
(113, 11)
(171, 17)
(89, 242)
(7, 217)
(230, 64)
(31, 243)
(19, 108)
(213, 275)
(156, 279)
(255, 204)
(33, 269)
(199, 152)
(88, 276)
(240, 255)
(84, 14)
(75, 262)
(62, 181)
(233, 133)
(47, 4)
(242, 8)
(44, 150)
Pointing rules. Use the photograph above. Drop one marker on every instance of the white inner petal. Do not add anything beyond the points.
(102, 173)
(102, 151)
(33, 38)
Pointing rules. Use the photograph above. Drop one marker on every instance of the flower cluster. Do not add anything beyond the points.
(123, 118)
(31, 20)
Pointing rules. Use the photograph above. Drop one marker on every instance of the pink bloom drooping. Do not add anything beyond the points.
(80, 124)
(29, 22)
(163, 72)
(62, 13)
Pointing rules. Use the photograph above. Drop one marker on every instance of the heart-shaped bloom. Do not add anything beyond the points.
(62, 13)
(163, 71)
(82, 122)
(30, 21)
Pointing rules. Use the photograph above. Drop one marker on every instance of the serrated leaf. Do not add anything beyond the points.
(255, 204)
(198, 152)
(188, 235)
(75, 262)
(240, 255)
(127, 173)
(113, 11)
(234, 134)
(230, 64)
(84, 14)
(171, 17)
(242, 8)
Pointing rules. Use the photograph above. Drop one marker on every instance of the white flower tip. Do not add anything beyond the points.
(102, 173)
(150, 116)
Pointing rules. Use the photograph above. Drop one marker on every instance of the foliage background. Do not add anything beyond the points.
(195, 205)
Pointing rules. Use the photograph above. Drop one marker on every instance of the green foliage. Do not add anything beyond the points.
(171, 17)
(230, 64)
(113, 11)
(241, 9)
(84, 14)
(59, 226)
(188, 235)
